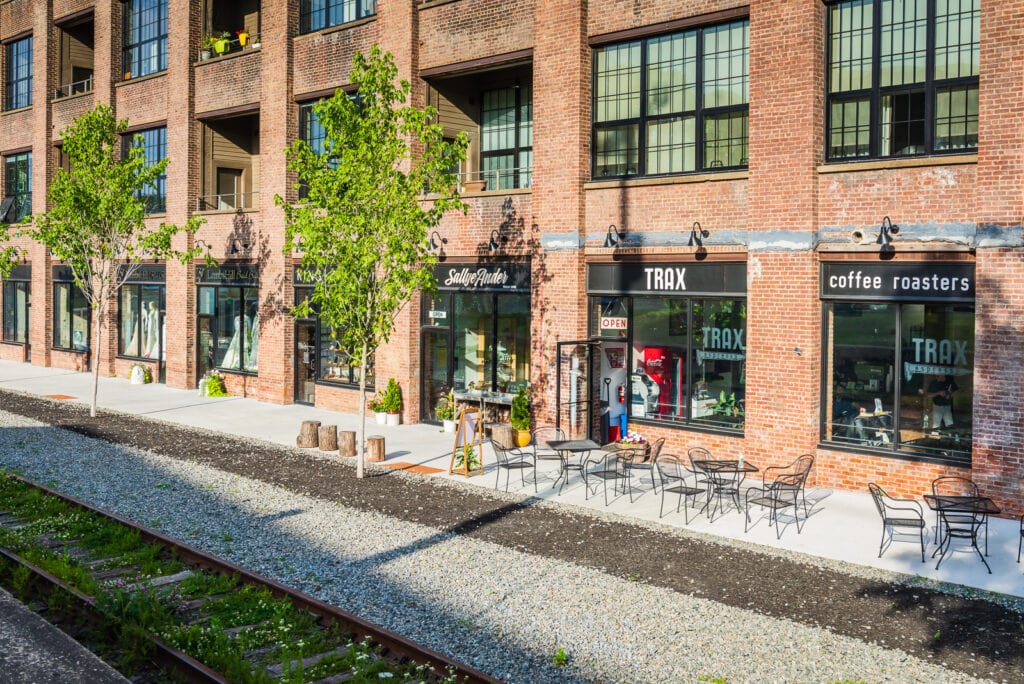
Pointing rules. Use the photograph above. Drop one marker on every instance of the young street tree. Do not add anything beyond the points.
(96, 224)
(8, 253)
(362, 225)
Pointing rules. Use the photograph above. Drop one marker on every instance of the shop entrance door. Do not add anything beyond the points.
(575, 401)
(436, 367)
(305, 363)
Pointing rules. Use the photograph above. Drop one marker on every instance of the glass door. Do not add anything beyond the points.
(436, 369)
(305, 363)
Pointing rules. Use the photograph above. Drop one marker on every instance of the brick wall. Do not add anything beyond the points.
(471, 29)
(241, 70)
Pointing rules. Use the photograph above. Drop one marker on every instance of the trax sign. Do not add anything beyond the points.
(901, 281)
(690, 278)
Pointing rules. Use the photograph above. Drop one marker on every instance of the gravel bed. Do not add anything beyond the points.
(498, 609)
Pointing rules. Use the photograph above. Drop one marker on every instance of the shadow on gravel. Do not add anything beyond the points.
(273, 548)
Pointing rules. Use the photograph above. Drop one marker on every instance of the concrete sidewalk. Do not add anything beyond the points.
(843, 525)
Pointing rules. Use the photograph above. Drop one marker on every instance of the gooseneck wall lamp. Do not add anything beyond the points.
(613, 237)
(697, 235)
(885, 234)
(437, 242)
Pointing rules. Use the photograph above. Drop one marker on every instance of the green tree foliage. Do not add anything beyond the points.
(8, 253)
(379, 184)
(95, 224)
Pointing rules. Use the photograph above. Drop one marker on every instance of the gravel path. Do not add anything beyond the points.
(498, 609)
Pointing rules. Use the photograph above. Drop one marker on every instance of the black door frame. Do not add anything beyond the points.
(589, 400)
(314, 359)
(426, 413)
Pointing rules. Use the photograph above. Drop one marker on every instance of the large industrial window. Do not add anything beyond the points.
(506, 138)
(71, 317)
(154, 143)
(902, 77)
(15, 304)
(18, 75)
(17, 202)
(144, 37)
(315, 15)
(672, 104)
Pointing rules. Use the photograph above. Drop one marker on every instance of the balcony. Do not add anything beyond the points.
(231, 164)
(230, 27)
(75, 40)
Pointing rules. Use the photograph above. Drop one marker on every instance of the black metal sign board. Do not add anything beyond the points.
(480, 277)
(901, 281)
(144, 273)
(688, 278)
(63, 274)
(239, 274)
(21, 272)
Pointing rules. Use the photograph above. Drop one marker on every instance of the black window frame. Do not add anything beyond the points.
(21, 196)
(55, 342)
(155, 202)
(523, 176)
(686, 423)
(331, 13)
(930, 86)
(131, 51)
(8, 303)
(13, 79)
(139, 314)
(700, 113)
(253, 290)
(302, 292)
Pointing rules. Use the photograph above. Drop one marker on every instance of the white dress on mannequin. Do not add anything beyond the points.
(230, 359)
(252, 338)
(151, 339)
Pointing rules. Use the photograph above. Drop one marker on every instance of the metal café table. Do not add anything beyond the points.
(568, 449)
(725, 477)
(948, 504)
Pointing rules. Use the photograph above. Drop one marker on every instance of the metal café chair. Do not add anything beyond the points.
(648, 465)
(960, 526)
(673, 474)
(781, 487)
(541, 451)
(897, 513)
(951, 485)
(614, 466)
(511, 458)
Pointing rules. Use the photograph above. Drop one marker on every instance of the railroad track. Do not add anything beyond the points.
(174, 609)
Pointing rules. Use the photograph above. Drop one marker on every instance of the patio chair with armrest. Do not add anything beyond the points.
(952, 485)
(614, 466)
(511, 458)
(673, 474)
(781, 487)
(700, 454)
(897, 513)
(539, 438)
(648, 465)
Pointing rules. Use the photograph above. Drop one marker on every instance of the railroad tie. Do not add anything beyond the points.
(277, 670)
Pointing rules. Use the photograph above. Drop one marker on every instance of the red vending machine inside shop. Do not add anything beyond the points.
(665, 368)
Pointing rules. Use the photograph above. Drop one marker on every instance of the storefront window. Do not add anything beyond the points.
(719, 362)
(512, 343)
(658, 382)
(474, 361)
(901, 377)
(15, 303)
(141, 327)
(229, 323)
(609, 317)
(336, 365)
(71, 316)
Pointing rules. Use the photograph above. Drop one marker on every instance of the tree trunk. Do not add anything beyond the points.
(347, 443)
(308, 434)
(328, 438)
(361, 453)
(94, 350)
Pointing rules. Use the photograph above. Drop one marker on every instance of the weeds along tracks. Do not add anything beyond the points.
(159, 607)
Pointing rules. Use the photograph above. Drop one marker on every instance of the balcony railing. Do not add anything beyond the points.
(227, 46)
(74, 88)
(228, 201)
(496, 180)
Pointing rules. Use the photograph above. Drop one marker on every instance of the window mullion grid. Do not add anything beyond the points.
(641, 134)
(698, 103)
(874, 116)
(897, 385)
(929, 79)
(691, 369)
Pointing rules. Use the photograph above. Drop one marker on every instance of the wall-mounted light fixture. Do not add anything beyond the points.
(613, 237)
(885, 234)
(496, 241)
(437, 242)
(204, 244)
(697, 235)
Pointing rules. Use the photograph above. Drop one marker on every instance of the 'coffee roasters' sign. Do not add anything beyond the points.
(480, 277)
(900, 281)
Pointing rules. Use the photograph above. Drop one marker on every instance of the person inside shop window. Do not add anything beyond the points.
(844, 412)
(940, 390)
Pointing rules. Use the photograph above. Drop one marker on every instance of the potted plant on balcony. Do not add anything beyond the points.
(520, 416)
(223, 43)
(206, 49)
(243, 37)
(392, 402)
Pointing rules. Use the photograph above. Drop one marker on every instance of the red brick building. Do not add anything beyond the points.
(770, 228)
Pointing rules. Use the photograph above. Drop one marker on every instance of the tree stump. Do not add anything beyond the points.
(375, 449)
(347, 443)
(328, 437)
(503, 435)
(308, 437)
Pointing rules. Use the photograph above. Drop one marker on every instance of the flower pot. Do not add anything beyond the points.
(243, 38)
(449, 425)
(522, 438)
(221, 45)
(393, 418)
(382, 418)
(205, 54)
(255, 45)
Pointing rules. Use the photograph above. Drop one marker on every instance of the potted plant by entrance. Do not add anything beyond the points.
(392, 402)
(376, 406)
(445, 412)
(520, 416)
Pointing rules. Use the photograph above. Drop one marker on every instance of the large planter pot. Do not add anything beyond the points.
(221, 45)
(382, 418)
(449, 425)
(522, 438)
(243, 38)
(205, 54)
(393, 418)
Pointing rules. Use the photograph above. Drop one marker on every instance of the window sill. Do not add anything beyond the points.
(876, 165)
(339, 27)
(141, 359)
(912, 456)
(69, 351)
(427, 4)
(140, 79)
(73, 96)
(688, 427)
(235, 371)
(15, 111)
(343, 385)
(667, 180)
(13, 344)
(248, 50)
(215, 212)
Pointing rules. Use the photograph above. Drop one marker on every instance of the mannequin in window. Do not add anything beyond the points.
(151, 329)
(252, 338)
(131, 329)
(231, 356)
